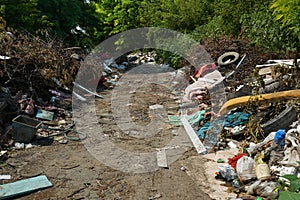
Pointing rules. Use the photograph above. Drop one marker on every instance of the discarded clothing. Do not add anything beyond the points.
(236, 119)
(201, 132)
(231, 120)
(209, 133)
(209, 81)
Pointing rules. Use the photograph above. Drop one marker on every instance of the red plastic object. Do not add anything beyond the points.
(233, 161)
(201, 71)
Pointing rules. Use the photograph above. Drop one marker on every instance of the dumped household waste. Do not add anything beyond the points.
(264, 123)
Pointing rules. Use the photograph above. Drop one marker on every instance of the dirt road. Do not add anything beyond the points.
(76, 174)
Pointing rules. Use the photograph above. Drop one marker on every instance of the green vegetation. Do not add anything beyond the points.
(289, 191)
(269, 24)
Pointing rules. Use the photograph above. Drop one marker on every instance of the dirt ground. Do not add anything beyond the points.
(76, 174)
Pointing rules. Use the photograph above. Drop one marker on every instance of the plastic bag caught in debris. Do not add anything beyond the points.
(245, 168)
(264, 189)
(227, 172)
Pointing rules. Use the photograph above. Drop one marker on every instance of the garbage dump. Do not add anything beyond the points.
(263, 126)
(259, 118)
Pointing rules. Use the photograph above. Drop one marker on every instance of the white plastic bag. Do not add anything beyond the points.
(245, 168)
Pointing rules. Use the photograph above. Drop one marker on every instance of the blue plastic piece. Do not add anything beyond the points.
(279, 137)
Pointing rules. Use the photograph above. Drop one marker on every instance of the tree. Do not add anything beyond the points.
(74, 21)
(22, 14)
(177, 15)
(119, 15)
(288, 13)
(231, 12)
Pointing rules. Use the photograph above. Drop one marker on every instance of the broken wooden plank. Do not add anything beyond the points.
(241, 101)
(25, 186)
(193, 136)
(162, 158)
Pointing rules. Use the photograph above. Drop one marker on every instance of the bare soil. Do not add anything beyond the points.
(76, 174)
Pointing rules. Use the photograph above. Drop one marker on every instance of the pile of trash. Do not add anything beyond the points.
(29, 117)
(263, 125)
(261, 118)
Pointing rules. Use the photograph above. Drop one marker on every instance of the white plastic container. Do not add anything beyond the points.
(262, 172)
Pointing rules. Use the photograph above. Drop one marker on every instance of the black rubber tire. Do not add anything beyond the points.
(232, 56)
(282, 121)
(269, 88)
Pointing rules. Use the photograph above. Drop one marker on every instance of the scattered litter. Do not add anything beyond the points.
(262, 169)
(183, 168)
(194, 138)
(228, 58)
(28, 146)
(192, 119)
(86, 90)
(3, 154)
(157, 196)
(5, 177)
(5, 57)
(236, 68)
(237, 130)
(241, 101)
(279, 137)
(283, 120)
(64, 141)
(226, 172)
(78, 96)
(283, 170)
(245, 169)
(44, 114)
(232, 145)
(18, 188)
(264, 189)
(24, 128)
(62, 122)
(162, 159)
(233, 161)
(19, 145)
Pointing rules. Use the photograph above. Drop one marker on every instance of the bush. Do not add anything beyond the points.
(213, 30)
(263, 30)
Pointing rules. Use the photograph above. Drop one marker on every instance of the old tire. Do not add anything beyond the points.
(228, 58)
(282, 121)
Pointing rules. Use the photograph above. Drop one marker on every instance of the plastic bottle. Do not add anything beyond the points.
(262, 169)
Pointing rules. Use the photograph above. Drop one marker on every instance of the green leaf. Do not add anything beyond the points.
(290, 177)
(286, 195)
(294, 185)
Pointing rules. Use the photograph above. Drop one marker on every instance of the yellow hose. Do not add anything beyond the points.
(241, 101)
